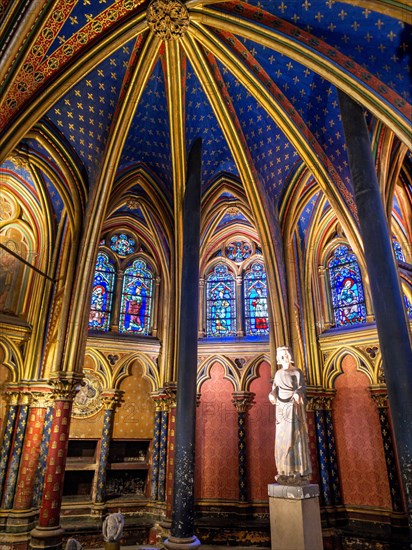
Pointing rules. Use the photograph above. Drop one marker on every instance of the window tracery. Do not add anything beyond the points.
(220, 302)
(102, 293)
(348, 299)
(123, 287)
(236, 299)
(136, 301)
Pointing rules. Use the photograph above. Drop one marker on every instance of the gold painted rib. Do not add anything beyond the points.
(117, 137)
(34, 110)
(238, 148)
(319, 64)
(175, 99)
(281, 119)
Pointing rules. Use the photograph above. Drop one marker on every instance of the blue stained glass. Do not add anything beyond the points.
(220, 302)
(408, 306)
(122, 244)
(256, 304)
(102, 294)
(136, 302)
(348, 299)
(399, 255)
(238, 251)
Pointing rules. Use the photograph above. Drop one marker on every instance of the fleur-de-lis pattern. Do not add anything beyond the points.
(5, 447)
(42, 461)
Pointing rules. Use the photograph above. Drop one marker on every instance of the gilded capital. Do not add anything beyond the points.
(380, 396)
(242, 400)
(110, 399)
(65, 388)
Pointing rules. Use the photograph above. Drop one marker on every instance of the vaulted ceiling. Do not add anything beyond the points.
(120, 85)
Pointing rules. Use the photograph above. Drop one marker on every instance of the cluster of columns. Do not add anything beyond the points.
(33, 460)
(320, 405)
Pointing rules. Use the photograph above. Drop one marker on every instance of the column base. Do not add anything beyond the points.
(49, 538)
(295, 517)
(175, 543)
(21, 521)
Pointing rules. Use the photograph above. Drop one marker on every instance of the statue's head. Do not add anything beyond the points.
(284, 355)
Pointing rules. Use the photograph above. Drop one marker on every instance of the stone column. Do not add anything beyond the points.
(380, 396)
(42, 459)
(326, 447)
(182, 532)
(171, 392)
(202, 308)
(239, 302)
(164, 421)
(242, 401)
(110, 399)
(48, 533)
(155, 302)
(13, 400)
(156, 447)
(40, 400)
(16, 451)
(324, 299)
(114, 322)
(393, 329)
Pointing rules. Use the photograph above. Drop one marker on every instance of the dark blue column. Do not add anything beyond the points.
(322, 448)
(104, 456)
(242, 401)
(332, 457)
(155, 452)
(182, 531)
(326, 447)
(164, 422)
(387, 298)
(7, 439)
(381, 399)
(41, 467)
(14, 462)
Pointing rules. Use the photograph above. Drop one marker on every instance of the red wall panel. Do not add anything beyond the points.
(216, 440)
(358, 440)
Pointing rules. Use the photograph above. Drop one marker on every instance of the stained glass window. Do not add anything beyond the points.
(238, 251)
(122, 244)
(136, 301)
(102, 294)
(399, 255)
(255, 299)
(408, 306)
(220, 302)
(348, 300)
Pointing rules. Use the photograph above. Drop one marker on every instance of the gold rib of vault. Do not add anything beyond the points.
(399, 10)
(323, 66)
(117, 137)
(178, 148)
(41, 103)
(247, 174)
(281, 119)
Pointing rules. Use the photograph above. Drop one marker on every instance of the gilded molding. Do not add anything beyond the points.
(167, 19)
(237, 145)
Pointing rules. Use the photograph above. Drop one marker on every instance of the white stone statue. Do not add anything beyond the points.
(113, 527)
(291, 439)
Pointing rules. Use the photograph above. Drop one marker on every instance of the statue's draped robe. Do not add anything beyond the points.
(291, 446)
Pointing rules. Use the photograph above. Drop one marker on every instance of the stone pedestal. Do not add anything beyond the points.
(295, 517)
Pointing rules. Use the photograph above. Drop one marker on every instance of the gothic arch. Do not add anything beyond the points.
(231, 371)
(333, 366)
